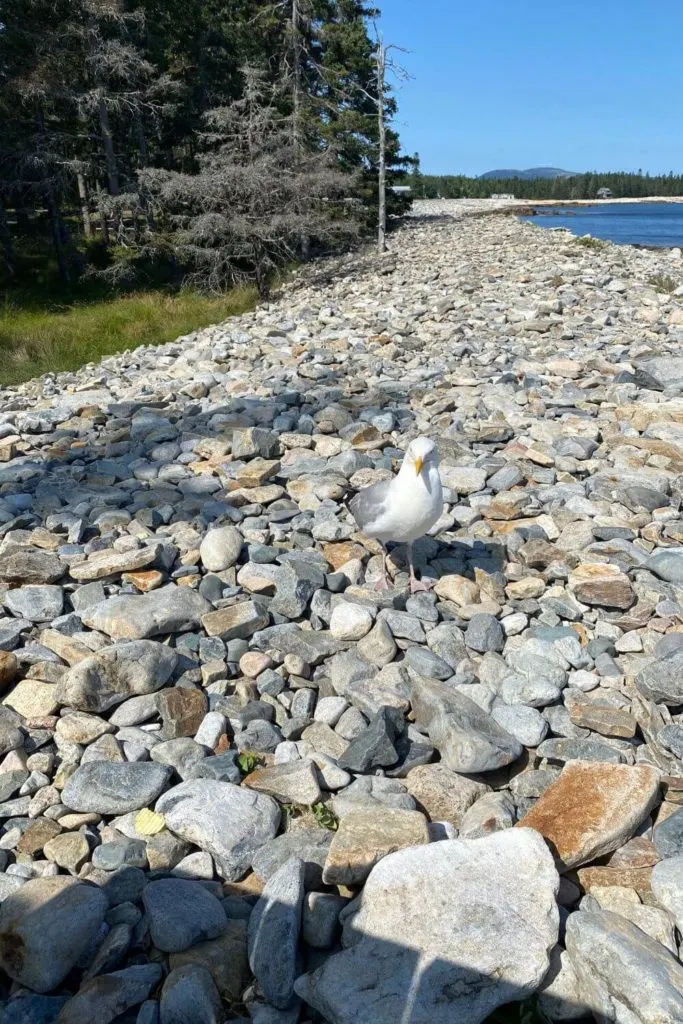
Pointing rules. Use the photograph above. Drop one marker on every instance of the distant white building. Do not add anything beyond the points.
(604, 193)
(502, 195)
(401, 190)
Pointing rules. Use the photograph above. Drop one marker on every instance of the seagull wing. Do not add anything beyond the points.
(370, 504)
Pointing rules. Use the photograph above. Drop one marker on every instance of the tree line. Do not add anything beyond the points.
(207, 141)
(583, 186)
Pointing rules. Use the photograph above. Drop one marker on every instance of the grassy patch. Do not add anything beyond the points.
(588, 242)
(664, 284)
(43, 336)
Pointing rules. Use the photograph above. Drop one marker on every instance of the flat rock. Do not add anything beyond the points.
(451, 968)
(592, 809)
(104, 564)
(296, 782)
(114, 788)
(170, 609)
(365, 836)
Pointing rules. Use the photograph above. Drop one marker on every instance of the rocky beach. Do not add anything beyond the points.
(237, 781)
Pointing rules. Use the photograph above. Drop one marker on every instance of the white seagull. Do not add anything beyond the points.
(405, 507)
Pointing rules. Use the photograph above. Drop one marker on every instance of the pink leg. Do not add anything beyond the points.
(383, 582)
(417, 586)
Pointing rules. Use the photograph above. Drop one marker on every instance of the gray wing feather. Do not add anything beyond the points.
(370, 503)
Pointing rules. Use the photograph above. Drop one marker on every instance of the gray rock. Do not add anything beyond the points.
(117, 673)
(309, 845)
(229, 822)
(526, 724)
(182, 913)
(190, 996)
(468, 739)
(30, 565)
(485, 633)
(46, 927)
(35, 603)
(273, 936)
(372, 791)
(667, 885)
(621, 970)
(28, 1008)
(104, 998)
(451, 968)
(170, 609)
(668, 836)
(114, 788)
(667, 564)
(321, 919)
(661, 680)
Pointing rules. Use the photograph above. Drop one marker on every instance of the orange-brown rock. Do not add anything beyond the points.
(592, 809)
(604, 719)
(629, 878)
(9, 667)
(603, 584)
(638, 852)
(144, 581)
(341, 553)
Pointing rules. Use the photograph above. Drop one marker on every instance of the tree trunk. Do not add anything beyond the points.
(144, 160)
(6, 242)
(88, 230)
(297, 139)
(104, 224)
(58, 233)
(108, 145)
(382, 141)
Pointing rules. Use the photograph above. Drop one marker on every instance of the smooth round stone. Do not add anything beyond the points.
(221, 548)
(120, 853)
(182, 913)
(350, 621)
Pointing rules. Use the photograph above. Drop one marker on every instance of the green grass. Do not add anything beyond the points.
(588, 242)
(664, 284)
(44, 334)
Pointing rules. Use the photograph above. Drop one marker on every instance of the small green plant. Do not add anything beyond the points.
(290, 812)
(248, 761)
(325, 817)
(588, 242)
(663, 283)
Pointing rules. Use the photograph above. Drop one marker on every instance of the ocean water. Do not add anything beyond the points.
(659, 224)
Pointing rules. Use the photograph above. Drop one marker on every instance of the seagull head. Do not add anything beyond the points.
(422, 453)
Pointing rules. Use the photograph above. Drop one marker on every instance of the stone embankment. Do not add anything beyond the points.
(237, 782)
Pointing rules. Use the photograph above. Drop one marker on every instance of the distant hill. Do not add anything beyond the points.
(529, 174)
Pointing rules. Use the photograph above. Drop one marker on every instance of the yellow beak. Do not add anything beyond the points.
(418, 465)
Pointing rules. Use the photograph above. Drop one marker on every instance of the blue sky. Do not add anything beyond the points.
(583, 84)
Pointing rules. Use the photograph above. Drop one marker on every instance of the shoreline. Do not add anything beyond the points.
(424, 209)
